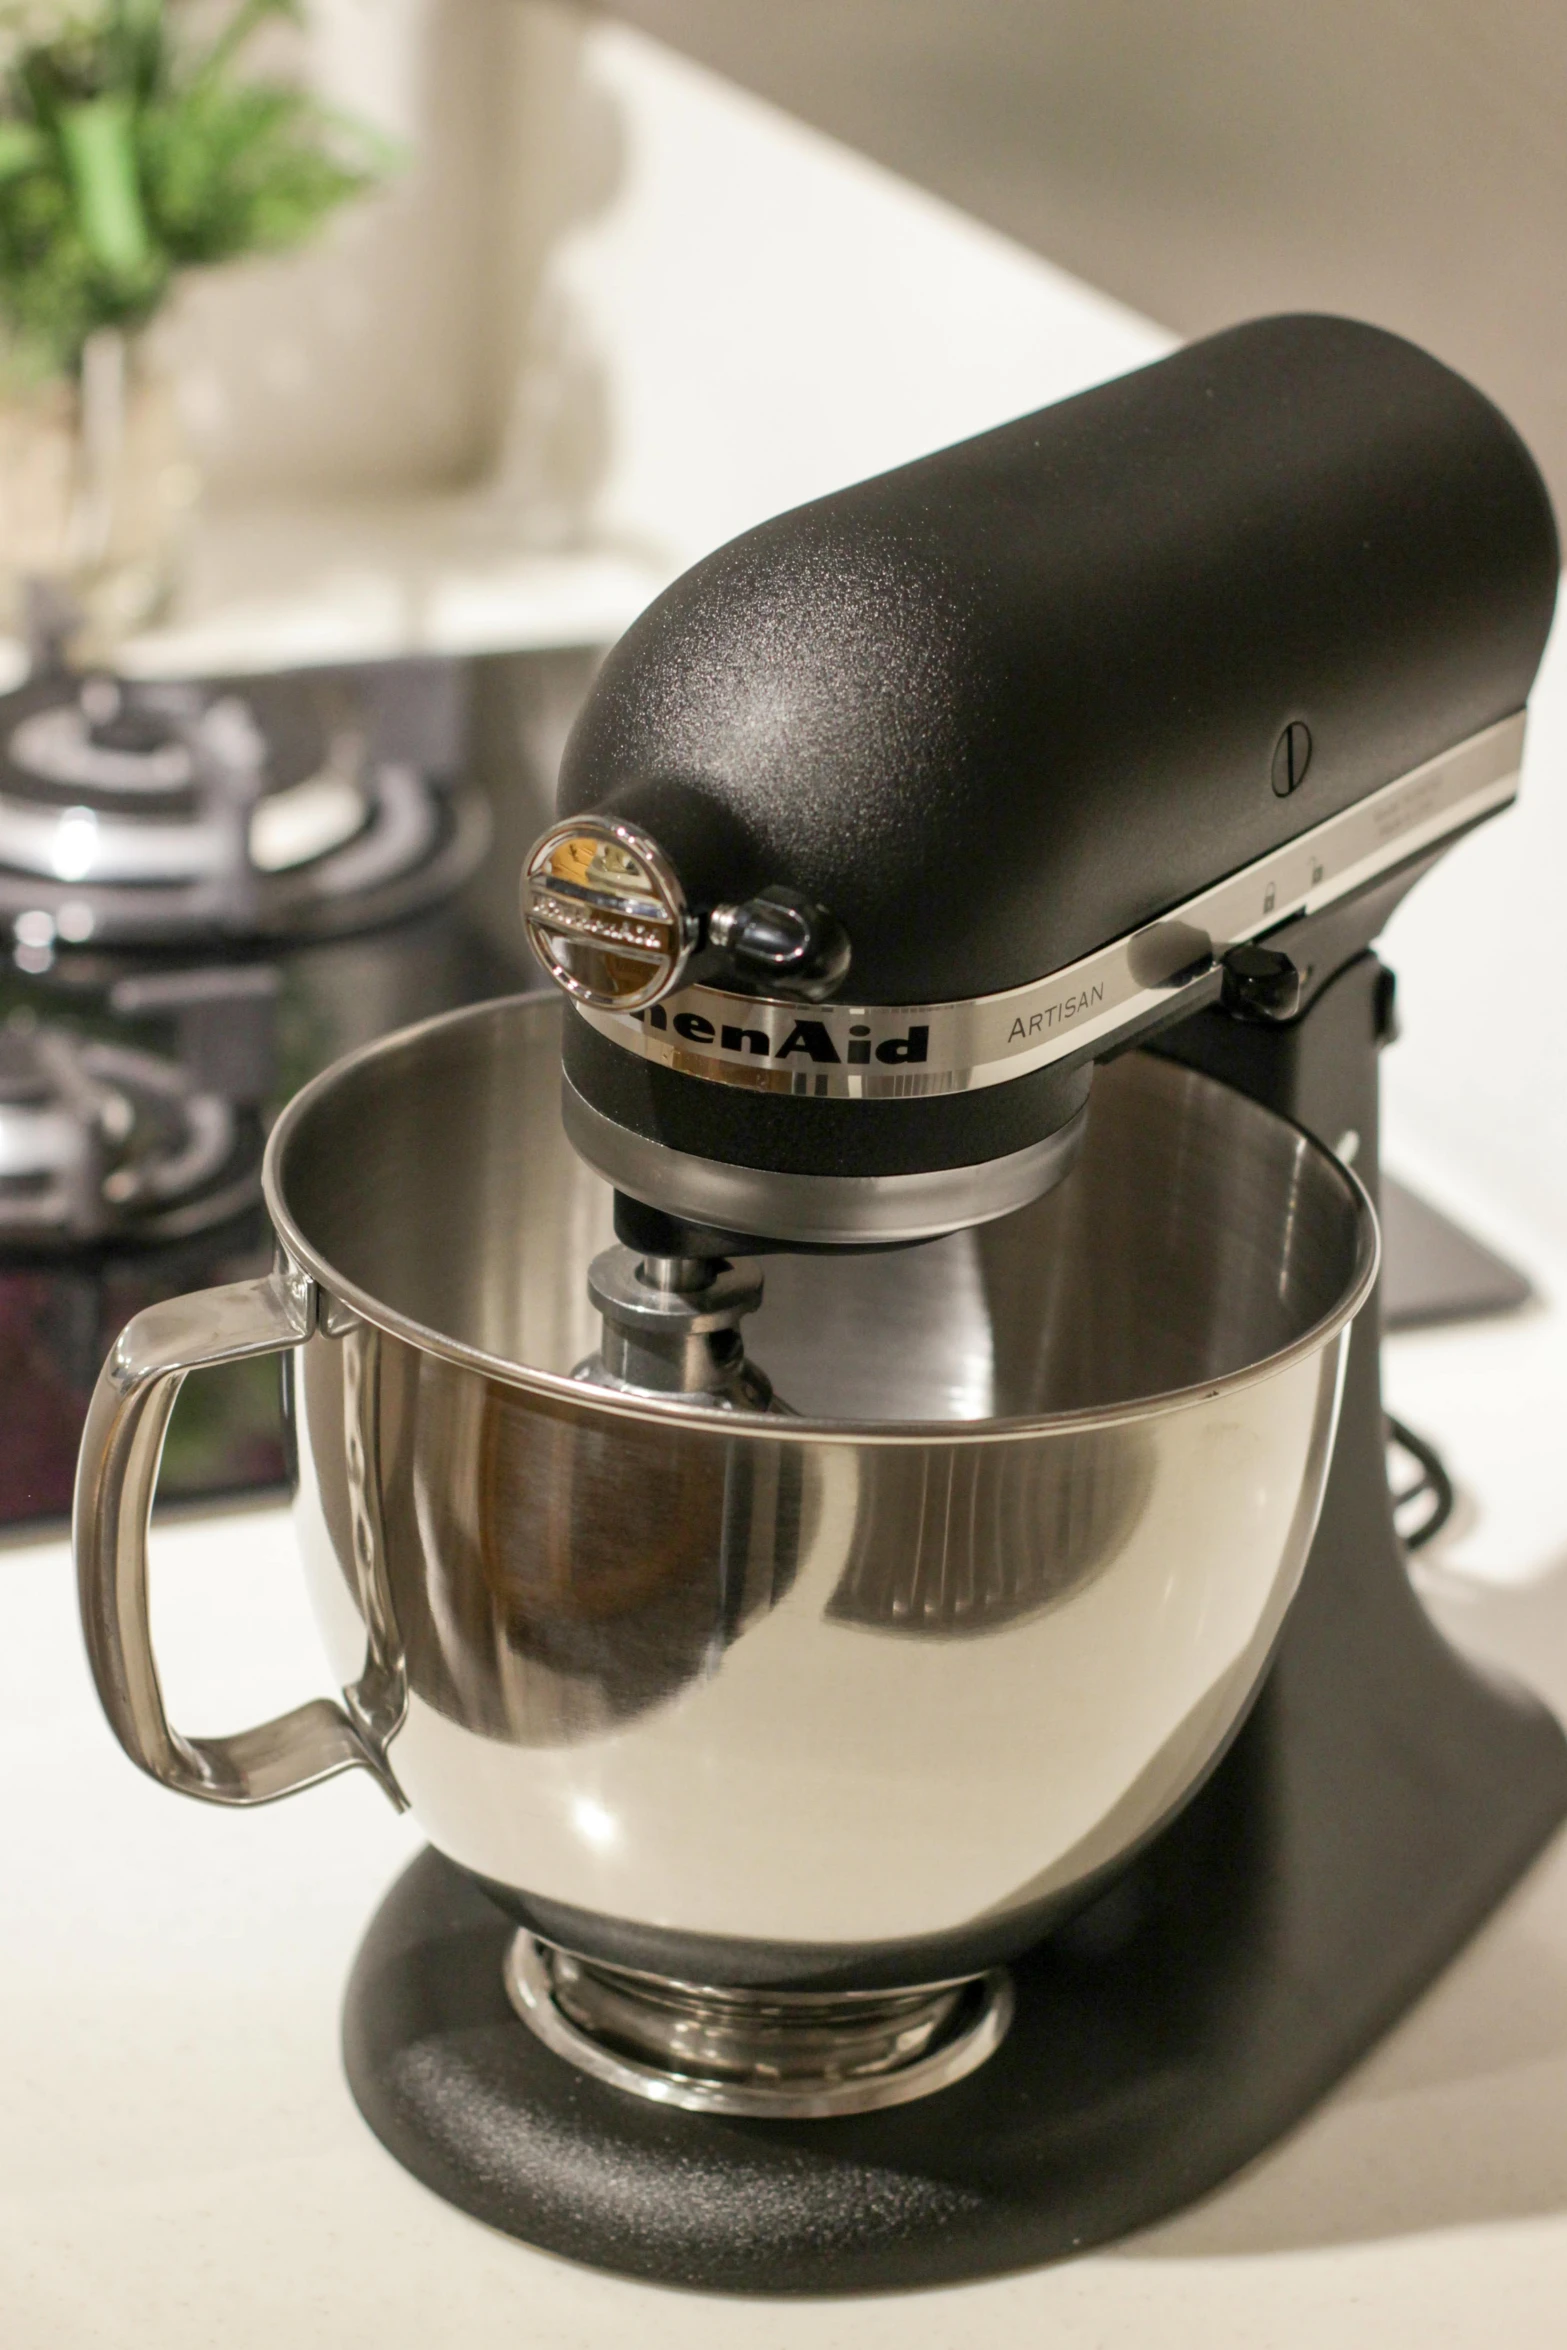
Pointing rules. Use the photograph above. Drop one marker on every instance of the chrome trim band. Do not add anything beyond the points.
(879, 1052)
(827, 1209)
(528, 1987)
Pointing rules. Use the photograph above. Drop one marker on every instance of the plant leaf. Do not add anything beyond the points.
(23, 147)
(125, 157)
(98, 143)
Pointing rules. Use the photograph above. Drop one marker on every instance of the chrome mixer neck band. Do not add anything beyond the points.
(870, 1052)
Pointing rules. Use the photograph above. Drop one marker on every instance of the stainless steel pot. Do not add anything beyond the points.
(859, 1695)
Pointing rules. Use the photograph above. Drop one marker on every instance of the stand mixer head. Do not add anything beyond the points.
(895, 815)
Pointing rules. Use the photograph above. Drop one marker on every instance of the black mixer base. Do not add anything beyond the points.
(1352, 1839)
(1378, 1803)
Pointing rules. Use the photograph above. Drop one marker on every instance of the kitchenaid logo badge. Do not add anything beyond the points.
(807, 1041)
(1031, 1027)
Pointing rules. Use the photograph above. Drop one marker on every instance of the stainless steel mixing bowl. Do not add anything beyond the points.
(875, 1687)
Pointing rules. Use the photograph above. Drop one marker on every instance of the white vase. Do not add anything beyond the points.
(96, 493)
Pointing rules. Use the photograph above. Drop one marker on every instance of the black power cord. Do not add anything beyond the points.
(1422, 1503)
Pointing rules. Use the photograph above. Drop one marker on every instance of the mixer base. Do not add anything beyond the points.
(1361, 1827)
(1378, 1803)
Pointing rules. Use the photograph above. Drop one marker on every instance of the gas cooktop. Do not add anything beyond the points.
(148, 814)
(208, 891)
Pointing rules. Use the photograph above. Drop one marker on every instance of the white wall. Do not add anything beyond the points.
(647, 308)
(771, 316)
(1208, 160)
(359, 364)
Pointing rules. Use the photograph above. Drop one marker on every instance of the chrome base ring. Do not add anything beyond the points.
(767, 2055)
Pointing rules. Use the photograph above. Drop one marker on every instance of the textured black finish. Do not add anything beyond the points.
(1007, 703)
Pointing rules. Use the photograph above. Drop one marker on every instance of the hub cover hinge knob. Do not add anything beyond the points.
(1260, 983)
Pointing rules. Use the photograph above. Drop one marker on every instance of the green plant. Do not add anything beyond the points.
(132, 149)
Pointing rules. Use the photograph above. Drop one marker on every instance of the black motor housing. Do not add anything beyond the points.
(1010, 702)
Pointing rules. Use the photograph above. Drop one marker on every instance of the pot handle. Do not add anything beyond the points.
(116, 1476)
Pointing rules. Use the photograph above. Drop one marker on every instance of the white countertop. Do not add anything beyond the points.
(272, 585)
(280, 585)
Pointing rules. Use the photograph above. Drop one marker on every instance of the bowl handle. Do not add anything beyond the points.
(116, 1476)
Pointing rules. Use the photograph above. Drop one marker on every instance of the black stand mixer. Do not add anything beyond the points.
(1127, 725)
